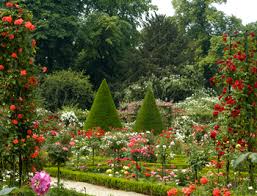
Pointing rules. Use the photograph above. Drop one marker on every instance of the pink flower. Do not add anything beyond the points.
(72, 143)
(65, 148)
(40, 183)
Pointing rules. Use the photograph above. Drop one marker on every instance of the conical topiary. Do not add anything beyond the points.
(149, 117)
(103, 112)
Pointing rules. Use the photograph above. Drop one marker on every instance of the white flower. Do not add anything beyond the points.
(250, 188)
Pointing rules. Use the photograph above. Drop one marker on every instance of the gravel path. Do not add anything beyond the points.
(93, 189)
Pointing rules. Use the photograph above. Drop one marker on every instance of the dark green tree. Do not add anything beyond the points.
(57, 27)
(102, 41)
(103, 112)
(149, 117)
(130, 10)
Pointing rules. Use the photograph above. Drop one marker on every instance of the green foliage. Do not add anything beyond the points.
(57, 26)
(148, 188)
(149, 117)
(67, 88)
(102, 41)
(103, 112)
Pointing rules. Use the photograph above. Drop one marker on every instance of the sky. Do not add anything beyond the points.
(243, 9)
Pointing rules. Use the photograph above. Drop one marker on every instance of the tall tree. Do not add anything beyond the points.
(102, 41)
(57, 26)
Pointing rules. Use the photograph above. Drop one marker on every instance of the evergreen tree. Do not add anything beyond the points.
(149, 117)
(103, 112)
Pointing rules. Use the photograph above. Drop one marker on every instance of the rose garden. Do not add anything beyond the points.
(203, 145)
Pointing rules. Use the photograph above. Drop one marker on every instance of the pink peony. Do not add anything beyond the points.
(40, 183)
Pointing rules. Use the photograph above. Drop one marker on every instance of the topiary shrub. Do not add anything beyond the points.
(67, 87)
(103, 112)
(149, 117)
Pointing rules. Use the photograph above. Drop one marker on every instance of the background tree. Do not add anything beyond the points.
(57, 27)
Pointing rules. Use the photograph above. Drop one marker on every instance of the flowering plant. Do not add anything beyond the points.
(40, 183)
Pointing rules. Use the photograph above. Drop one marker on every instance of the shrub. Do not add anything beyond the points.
(149, 117)
(67, 87)
(103, 112)
(148, 188)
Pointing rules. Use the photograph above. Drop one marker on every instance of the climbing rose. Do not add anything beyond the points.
(29, 26)
(172, 192)
(40, 183)
(7, 19)
(203, 180)
(18, 21)
(1, 67)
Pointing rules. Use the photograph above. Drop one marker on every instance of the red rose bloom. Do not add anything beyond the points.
(9, 4)
(213, 134)
(203, 180)
(1, 67)
(172, 192)
(216, 192)
(20, 116)
(7, 19)
(18, 21)
(15, 122)
(23, 72)
(15, 141)
(11, 36)
(14, 55)
(29, 26)
(12, 107)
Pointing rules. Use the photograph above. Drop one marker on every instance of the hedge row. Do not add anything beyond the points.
(147, 188)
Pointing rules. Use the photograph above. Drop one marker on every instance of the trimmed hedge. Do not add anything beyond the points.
(103, 112)
(147, 188)
(149, 117)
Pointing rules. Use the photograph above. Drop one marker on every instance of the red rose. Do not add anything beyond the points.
(15, 122)
(29, 132)
(23, 72)
(29, 26)
(216, 127)
(1, 67)
(12, 107)
(172, 192)
(203, 180)
(15, 141)
(7, 19)
(216, 192)
(18, 21)
(20, 116)
(213, 134)
(9, 4)
(11, 36)
(14, 55)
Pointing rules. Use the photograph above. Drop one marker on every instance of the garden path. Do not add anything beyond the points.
(91, 189)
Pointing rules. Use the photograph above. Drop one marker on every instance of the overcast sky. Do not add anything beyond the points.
(243, 9)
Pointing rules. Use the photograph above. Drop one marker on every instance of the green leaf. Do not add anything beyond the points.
(6, 191)
(240, 159)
